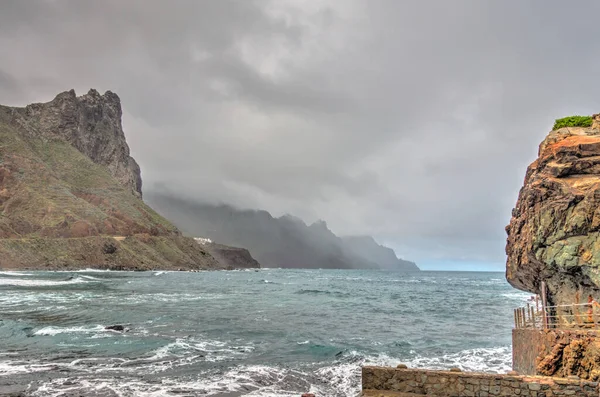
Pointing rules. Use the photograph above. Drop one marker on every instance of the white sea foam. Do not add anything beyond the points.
(518, 296)
(119, 387)
(47, 298)
(16, 273)
(13, 368)
(338, 379)
(51, 331)
(168, 298)
(181, 352)
(251, 380)
(345, 376)
(494, 360)
(91, 278)
(21, 282)
(102, 387)
(210, 350)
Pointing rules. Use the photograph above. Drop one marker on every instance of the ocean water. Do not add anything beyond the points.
(272, 332)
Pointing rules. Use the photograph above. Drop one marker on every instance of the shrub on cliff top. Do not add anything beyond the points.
(573, 121)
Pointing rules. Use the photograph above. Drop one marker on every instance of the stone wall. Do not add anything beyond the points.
(465, 384)
(555, 352)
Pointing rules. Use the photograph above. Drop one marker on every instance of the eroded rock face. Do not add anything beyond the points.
(230, 257)
(553, 235)
(92, 124)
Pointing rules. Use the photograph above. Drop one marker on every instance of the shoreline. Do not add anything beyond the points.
(99, 269)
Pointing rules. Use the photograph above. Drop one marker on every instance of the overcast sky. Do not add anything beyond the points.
(412, 121)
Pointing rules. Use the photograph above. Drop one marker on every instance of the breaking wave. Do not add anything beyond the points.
(341, 378)
(21, 282)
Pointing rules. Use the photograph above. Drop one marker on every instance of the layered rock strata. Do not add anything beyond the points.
(553, 235)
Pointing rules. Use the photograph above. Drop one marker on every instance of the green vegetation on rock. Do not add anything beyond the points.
(61, 210)
(573, 121)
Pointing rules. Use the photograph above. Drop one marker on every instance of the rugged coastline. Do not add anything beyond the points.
(70, 193)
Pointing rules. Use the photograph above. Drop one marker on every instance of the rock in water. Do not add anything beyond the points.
(116, 327)
(554, 233)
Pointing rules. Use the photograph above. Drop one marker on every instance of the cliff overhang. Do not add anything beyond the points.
(554, 232)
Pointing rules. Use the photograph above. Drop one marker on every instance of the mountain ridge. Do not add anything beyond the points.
(286, 242)
(70, 194)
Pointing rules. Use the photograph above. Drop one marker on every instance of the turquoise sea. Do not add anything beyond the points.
(270, 332)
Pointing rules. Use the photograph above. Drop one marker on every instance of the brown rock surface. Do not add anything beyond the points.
(91, 123)
(558, 352)
(231, 257)
(70, 194)
(553, 235)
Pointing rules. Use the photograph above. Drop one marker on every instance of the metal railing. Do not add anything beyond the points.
(537, 314)
(532, 316)
(578, 315)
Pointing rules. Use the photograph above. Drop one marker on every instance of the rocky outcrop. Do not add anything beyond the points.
(91, 123)
(554, 232)
(229, 257)
(385, 257)
(70, 193)
(557, 352)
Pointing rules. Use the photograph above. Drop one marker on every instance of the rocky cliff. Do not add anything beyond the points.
(554, 233)
(90, 123)
(232, 257)
(366, 247)
(70, 193)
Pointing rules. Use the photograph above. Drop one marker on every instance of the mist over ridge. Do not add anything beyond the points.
(285, 241)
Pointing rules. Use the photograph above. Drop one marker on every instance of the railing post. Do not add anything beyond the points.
(544, 305)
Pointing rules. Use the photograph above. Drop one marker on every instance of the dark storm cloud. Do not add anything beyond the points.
(412, 121)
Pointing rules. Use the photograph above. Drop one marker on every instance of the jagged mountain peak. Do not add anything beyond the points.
(91, 123)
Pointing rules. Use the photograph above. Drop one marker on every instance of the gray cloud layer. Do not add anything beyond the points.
(409, 120)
